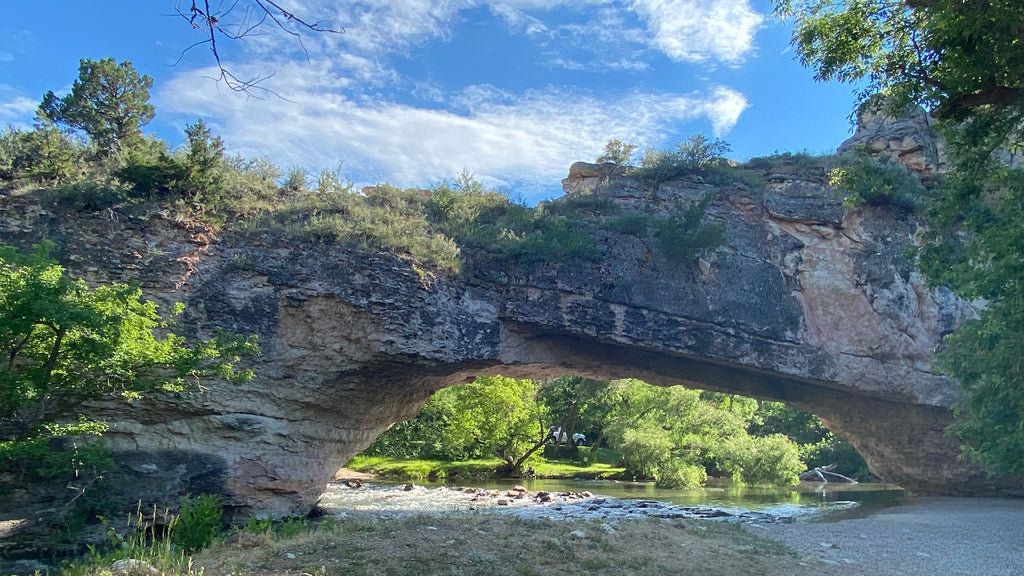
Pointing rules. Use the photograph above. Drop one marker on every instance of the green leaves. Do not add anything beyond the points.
(867, 181)
(62, 343)
(673, 435)
(617, 152)
(492, 416)
(682, 235)
(693, 156)
(108, 101)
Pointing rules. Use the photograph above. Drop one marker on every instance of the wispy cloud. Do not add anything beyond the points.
(518, 20)
(524, 140)
(563, 63)
(706, 31)
(387, 27)
(16, 109)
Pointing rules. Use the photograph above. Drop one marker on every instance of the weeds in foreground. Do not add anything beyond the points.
(487, 543)
(146, 538)
(440, 544)
(168, 542)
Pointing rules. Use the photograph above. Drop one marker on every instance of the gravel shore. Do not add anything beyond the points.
(925, 537)
(920, 537)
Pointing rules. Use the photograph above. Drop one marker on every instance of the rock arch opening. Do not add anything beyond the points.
(677, 437)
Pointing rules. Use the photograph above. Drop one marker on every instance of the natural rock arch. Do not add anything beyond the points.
(805, 303)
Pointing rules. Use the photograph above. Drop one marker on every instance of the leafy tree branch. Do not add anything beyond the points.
(65, 343)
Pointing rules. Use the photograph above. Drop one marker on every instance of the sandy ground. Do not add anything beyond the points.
(926, 537)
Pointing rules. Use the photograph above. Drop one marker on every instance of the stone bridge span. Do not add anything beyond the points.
(804, 303)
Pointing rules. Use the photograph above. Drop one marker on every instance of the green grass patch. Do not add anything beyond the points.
(571, 469)
(414, 469)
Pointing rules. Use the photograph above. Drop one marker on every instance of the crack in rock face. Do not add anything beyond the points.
(804, 303)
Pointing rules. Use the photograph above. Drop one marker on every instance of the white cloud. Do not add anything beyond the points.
(371, 28)
(16, 109)
(685, 30)
(387, 26)
(723, 108)
(518, 20)
(525, 140)
(627, 65)
(566, 64)
(351, 104)
(700, 30)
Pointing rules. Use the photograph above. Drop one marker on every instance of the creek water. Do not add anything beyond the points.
(566, 499)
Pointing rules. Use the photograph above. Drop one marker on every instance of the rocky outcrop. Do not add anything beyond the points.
(910, 139)
(804, 303)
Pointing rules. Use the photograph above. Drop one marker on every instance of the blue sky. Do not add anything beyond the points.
(415, 91)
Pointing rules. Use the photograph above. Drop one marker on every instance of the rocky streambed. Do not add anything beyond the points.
(390, 500)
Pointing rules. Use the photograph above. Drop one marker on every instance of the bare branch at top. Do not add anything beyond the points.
(219, 22)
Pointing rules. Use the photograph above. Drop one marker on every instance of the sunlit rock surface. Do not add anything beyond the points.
(805, 303)
(909, 139)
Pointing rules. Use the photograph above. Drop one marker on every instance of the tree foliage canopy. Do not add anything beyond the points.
(672, 435)
(951, 56)
(62, 343)
(108, 101)
(492, 416)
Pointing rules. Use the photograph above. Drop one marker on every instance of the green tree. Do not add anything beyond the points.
(617, 151)
(203, 163)
(778, 418)
(865, 180)
(684, 237)
(496, 416)
(63, 343)
(108, 101)
(676, 436)
(44, 155)
(492, 416)
(695, 155)
(951, 56)
(577, 404)
(653, 428)
(964, 61)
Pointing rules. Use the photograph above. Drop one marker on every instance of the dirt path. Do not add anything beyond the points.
(926, 537)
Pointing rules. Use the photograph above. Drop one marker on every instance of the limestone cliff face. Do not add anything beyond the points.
(804, 303)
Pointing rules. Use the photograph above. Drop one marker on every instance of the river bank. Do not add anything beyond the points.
(908, 537)
(471, 531)
(925, 537)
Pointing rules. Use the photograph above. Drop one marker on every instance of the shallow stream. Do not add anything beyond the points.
(603, 499)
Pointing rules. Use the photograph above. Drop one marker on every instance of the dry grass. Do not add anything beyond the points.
(491, 544)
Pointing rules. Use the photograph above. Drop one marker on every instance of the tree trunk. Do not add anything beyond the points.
(51, 362)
